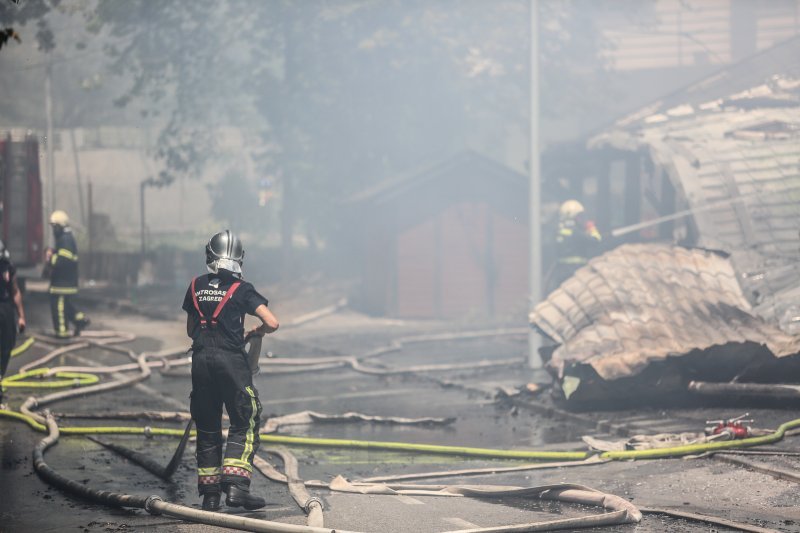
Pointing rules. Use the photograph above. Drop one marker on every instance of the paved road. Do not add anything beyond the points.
(699, 485)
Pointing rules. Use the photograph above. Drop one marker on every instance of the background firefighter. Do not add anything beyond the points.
(10, 302)
(62, 268)
(578, 240)
(215, 304)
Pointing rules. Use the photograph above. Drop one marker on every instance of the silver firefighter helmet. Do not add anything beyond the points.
(224, 251)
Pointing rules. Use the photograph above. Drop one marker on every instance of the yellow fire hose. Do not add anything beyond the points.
(462, 451)
(27, 343)
(68, 379)
(692, 449)
(675, 451)
(79, 379)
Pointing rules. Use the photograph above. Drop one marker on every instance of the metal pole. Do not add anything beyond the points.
(141, 216)
(90, 228)
(48, 109)
(76, 160)
(534, 199)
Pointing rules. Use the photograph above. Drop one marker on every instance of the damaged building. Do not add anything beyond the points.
(700, 195)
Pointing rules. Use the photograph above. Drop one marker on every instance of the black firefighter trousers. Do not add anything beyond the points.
(63, 312)
(223, 377)
(8, 337)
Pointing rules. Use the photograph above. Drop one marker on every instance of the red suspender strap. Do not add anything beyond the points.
(197, 305)
(224, 301)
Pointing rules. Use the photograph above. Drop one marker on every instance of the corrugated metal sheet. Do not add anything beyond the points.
(763, 176)
(642, 303)
(742, 152)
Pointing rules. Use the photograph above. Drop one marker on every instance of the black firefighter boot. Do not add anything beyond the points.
(211, 501)
(242, 498)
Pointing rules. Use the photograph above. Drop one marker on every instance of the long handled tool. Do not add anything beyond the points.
(178, 455)
(146, 462)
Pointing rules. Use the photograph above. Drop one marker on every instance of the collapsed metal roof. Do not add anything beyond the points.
(735, 159)
(642, 303)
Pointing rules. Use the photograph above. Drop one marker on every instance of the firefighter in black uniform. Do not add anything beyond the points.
(10, 301)
(62, 263)
(577, 240)
(215, 304)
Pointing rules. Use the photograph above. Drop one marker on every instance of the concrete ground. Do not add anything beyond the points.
(698, 485)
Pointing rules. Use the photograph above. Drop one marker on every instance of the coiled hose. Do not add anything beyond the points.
(68, 379)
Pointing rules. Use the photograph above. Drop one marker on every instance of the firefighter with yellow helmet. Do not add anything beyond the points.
(577, 240)
(62, 265)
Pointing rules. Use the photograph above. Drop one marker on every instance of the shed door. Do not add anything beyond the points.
(442, 265)
(416, 271)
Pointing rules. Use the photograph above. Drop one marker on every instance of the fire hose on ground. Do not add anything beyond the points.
(156, 504)
(621, 511)
(460, 451)
(153, 504)
(23, 346)
(40, 423)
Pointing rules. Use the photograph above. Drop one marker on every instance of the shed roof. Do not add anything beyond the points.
(461, 165)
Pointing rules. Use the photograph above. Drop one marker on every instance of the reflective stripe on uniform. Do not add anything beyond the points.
(63, 252)
(62, 320)
(563, 234)
(572, 260)
(63, 290)
(213, 471)
(230, 461)
(250, 436)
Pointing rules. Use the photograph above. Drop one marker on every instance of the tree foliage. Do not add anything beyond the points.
(8, 34)
(341, 94)
(20, 13)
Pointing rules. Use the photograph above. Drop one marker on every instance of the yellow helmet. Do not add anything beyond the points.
(570, 209)
(59, 218)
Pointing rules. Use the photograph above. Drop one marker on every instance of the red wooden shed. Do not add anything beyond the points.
(445, 241)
